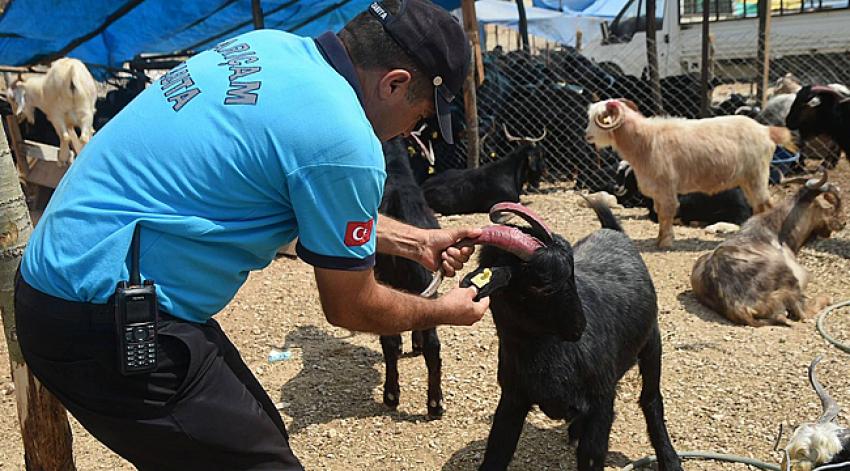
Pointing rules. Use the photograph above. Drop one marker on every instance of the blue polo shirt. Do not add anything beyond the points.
(223, 160)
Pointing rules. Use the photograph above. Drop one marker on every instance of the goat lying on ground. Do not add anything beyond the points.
(726, 206)
(672, 156)
(67, 95)
(819, 110)
(475, 190)
(753, 277)
(821, 443)
(403, 200)
(571, 321)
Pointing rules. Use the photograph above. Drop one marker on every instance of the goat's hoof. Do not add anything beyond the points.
(436, 412)
(391, 400)
(665, 244)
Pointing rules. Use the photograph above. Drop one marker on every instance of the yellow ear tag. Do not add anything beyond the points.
(480, 280)
(434, 135)
(411, 150)
(607, 120)
(492, 155)
(430, 170)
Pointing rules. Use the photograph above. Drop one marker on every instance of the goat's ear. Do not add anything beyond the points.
(629, 103)
(487, 280)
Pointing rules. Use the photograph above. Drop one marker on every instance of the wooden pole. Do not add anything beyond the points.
(704, 77)
(763, 50)
(652, 58)
(257, 14)
(470, 102)
(523, 24)
(579, 37)
(470, 23)
(470, 105)
(44, 423)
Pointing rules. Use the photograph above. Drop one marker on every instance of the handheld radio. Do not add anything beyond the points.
(136, 316)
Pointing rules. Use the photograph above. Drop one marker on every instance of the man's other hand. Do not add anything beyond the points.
(438, 252)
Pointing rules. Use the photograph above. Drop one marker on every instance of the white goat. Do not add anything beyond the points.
(672, 156)
(67, 95)
(820, 445)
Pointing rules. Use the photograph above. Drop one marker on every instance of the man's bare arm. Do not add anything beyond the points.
(356, 301)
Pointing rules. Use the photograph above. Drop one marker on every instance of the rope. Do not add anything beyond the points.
(702, 455)
(822, 328)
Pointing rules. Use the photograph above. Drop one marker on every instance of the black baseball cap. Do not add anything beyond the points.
(436, 41)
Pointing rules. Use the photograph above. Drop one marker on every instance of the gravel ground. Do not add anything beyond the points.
(726, 388)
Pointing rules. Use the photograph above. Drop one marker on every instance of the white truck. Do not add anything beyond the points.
(801, 31)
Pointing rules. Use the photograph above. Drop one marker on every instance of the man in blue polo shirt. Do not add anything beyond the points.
(263, 138)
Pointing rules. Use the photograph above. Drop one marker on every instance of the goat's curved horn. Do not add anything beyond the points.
(501, 213)
(830, 407)
(825, 89)
(506, 238)
(508, 135)
(833, 192)
(612, 118)
(536, 139)
(819, 184)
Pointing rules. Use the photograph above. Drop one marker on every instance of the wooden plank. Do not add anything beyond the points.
(39, 151)
(46, 173)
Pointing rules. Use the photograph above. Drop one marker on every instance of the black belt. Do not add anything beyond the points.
(71, 311)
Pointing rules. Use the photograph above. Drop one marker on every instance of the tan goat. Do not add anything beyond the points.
(671, 156)
(67, 95)
(753, 277)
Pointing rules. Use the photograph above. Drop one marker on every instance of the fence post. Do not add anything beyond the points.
(44, 424)
(579, 36)
(257, 13)
(763, 50)
(706, 66)
(470, 102)
(652, 58)
(523, 24)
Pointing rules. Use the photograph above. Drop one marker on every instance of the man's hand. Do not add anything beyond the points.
(438, 251)
(428, 247)
(460, 302)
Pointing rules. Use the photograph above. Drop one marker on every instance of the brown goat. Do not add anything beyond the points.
(673, 156)
(753, 278)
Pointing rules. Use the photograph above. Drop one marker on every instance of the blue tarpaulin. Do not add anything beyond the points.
(110, 32)
(557, 26)
(602, 8)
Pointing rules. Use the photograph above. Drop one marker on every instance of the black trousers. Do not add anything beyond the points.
(201, 410)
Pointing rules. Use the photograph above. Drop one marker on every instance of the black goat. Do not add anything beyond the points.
(819, 110)
(571, 321)
(403, 200)
(115, 100)
(726, 206)
(476, 190)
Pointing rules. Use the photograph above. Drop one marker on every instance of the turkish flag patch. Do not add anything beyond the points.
(358, 233)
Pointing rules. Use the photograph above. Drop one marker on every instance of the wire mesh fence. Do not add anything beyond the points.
(550, 87)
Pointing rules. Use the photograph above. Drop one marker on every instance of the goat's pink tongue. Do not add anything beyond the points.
(506, 238)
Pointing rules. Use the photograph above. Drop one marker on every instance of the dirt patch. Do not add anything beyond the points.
(726, 388)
